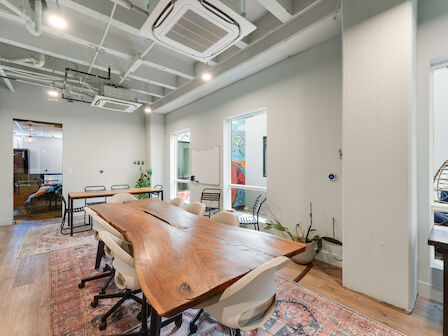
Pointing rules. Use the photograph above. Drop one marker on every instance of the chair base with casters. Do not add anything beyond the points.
(126, 295)
(107, 273)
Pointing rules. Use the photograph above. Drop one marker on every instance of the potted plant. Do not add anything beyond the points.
(144, 181)
(313, 244)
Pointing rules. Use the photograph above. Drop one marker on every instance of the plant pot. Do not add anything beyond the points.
(306, 256)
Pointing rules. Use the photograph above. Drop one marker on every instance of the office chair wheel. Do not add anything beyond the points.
(193, 328)
(94, 304)
(178, 323)
(103, 325)
(102, 291)
(139, 316)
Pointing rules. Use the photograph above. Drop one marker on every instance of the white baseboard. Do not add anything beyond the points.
(6, 221)
(429, 291)
(330, 258)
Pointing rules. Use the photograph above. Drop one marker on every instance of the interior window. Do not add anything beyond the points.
(247, 161)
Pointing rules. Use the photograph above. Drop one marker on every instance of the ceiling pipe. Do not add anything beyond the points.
(100, 46)
(13, 8)
(35, 28)
(128, 5)
(33, 61)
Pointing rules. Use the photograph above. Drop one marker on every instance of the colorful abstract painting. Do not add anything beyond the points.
(238, 161)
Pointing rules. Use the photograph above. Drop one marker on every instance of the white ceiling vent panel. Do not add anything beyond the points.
(201, 29)
(115, 104)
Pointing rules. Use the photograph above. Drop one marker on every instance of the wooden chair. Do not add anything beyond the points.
(211, 196)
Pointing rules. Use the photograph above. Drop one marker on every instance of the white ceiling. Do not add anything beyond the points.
(154, 77)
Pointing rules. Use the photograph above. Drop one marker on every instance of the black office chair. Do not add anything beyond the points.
(120, 186)
(254, 218)
(211, 195)
(158, 186)
(98, 200)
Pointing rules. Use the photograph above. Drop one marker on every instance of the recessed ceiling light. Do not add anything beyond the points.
(148, 109)
(57, 21)
(53, 93)
(206, 76)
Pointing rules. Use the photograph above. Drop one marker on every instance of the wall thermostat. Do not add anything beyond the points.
(332, 177)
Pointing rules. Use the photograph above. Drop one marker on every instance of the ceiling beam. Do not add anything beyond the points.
(16, 34)
(276, 9)
(6, 80)
(160, 62)
(313, 26)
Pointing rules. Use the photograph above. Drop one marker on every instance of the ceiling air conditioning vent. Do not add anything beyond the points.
(199, 28)
(115, 104)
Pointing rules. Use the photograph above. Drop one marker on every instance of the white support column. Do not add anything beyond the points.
(379, 170)
(155, 149)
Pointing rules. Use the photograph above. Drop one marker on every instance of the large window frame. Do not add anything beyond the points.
(227, 158)
(433, 205)
(174, 180)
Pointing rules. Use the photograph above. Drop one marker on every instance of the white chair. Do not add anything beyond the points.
(121, 198)
(177, 201)
(125, 276)
(98, 225)
(249, 302)
(196, 208)
(226, 217)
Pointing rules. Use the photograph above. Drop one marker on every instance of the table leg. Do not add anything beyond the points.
(445, 294)
(161, 193)
(154, 327)
(70, 214)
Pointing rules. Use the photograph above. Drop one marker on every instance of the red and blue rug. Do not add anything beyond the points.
(299, 311)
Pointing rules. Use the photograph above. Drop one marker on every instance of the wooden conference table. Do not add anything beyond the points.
(104, 193)
(182, 259)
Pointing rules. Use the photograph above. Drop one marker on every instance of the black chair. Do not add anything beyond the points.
(211, 195)
(65, 211)
(120, 186)
(254, 218)
(157, 186)
(98, 200)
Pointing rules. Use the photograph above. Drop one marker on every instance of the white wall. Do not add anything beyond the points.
(378, 141)
(93, 139)
(155, 150)
(432, 48)
(302, 96)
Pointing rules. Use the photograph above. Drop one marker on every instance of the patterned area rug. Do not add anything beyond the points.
(299, 311)
(47, 238)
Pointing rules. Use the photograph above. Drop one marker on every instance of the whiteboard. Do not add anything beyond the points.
(205, 165)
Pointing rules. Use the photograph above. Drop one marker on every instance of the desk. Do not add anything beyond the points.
(439, 239)
(182, 259)
(104, 193)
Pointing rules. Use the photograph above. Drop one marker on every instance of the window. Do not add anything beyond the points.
(245, 160)
(439, 156)
(180, 172)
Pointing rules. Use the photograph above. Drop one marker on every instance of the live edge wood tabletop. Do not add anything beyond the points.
(182, 259)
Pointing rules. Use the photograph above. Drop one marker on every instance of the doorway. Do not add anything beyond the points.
(37, 151)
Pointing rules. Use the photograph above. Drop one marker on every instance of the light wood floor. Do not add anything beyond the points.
(25, 292)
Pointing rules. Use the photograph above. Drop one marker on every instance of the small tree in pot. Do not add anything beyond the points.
(313, 244)
(144, 181)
